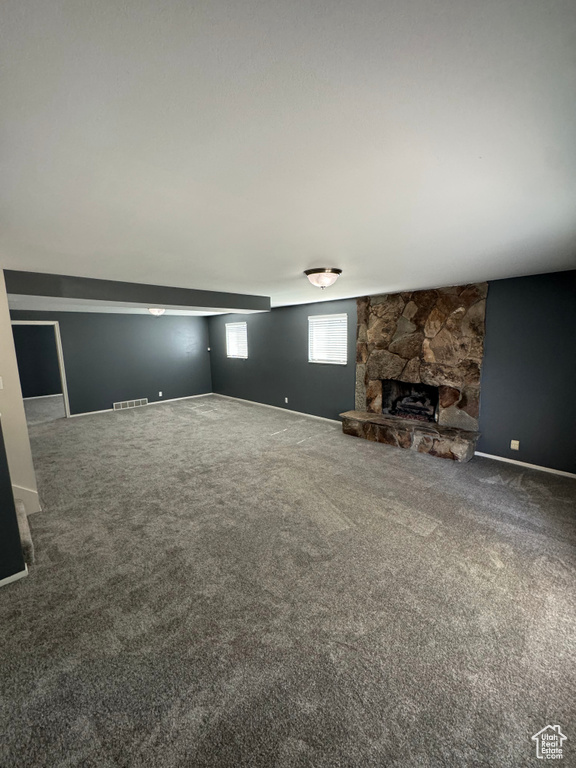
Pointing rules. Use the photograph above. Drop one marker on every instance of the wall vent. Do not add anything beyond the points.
(130, 404)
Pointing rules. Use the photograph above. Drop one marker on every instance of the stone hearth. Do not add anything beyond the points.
(435, 338)
(444, 442)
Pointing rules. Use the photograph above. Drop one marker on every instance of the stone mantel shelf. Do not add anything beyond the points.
(421, 436)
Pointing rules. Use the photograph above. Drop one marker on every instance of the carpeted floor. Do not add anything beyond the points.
(222, 584)
(40, 410)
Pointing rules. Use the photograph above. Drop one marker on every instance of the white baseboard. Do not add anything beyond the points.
(525, 464)
(155, 402)
(278, 408)
(174, 399)
(14, 577)
(89, 413)
(29, 497)
(214, 394)
(41, 397)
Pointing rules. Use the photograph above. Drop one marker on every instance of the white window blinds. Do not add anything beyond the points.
(237, 340)
(328, 339)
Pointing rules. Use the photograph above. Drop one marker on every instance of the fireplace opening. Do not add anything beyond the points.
(410, 401)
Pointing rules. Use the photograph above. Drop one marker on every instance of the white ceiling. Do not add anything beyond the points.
(230, 145)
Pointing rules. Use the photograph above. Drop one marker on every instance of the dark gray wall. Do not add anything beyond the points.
(529, 371)
(11, 559)
(277, 364)
(113, 357)
(37, 360)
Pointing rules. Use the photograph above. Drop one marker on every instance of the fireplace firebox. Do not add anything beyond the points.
(410, 401)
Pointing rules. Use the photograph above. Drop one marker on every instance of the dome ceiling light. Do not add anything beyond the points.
(323, 277)
(156, 311)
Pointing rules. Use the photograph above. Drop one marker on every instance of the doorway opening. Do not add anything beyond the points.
(41, 367)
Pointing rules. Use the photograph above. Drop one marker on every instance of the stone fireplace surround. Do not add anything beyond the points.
(432, 337)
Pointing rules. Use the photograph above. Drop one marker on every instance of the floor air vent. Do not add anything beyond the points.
(130, 404)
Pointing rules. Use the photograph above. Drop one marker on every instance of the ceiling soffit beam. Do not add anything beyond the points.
(69, 287)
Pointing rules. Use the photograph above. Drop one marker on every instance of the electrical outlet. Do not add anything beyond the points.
(285, 399)
(159, 394)
(515, 445)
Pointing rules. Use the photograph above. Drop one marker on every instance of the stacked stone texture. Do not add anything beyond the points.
(433, 337)
(424, 437)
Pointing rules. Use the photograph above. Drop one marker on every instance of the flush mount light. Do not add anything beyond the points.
(323, 277)
(156, 311)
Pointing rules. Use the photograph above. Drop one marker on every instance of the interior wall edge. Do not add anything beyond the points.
(14, 426)
(30, 498)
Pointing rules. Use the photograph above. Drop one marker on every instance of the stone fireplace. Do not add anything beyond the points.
(418, 361)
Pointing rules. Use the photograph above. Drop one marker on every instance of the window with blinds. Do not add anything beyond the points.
(328, 339)
(237, 340)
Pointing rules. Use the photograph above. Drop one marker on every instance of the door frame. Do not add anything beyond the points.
(59, 352)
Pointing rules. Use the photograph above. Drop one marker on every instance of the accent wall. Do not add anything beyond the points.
(113, 357)
(529, 370)
(277, 366)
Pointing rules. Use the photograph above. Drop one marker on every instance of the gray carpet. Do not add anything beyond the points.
(41, 410)
(222, 584)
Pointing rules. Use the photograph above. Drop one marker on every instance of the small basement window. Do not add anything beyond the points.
(237, 340)
(328, 339)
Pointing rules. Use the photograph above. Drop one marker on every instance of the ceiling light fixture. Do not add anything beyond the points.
(156, 311)
(323, 277)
